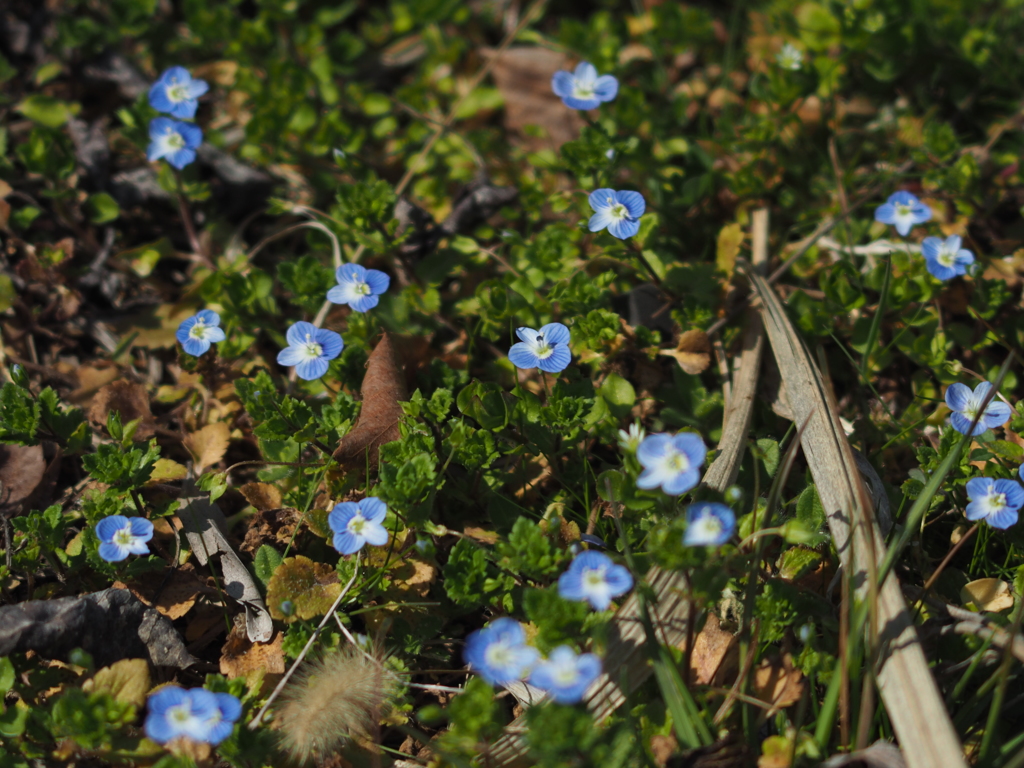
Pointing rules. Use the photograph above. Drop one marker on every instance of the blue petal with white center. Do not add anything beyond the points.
(903, 210)
(966, 405)
(499, 653)
(197, 333)
(593, 577)
(173, 141)
(995, 501)
(310, 350)
(566, 675)
(358, 287)
(672, 462)
(617, 211)
(224, 710)
(176, 93)
(945, 259)
(121, 536)
(584, 89)
(708, 524)
(547, 348)
(358, 523)
(175, 712)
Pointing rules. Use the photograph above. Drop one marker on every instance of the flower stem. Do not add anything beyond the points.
(186, 220)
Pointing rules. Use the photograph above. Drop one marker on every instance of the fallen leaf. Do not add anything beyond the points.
(22, 469)
(129, 400)
(166, 470)
(480, 534)
(382, 389)
(310, 587)
(715, 654)
(90, 380)
(987, 594)
(777, 682)
(693, 352)
(126, 680)
(240, 657)
(523, 76)
(776, 752)
(208, 445)
(179, 594)
(730, 238)
(662, 748)
(263, 496)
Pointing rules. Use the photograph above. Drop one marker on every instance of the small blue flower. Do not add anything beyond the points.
(358, 523)
(592, 576)
(499, 653)
(565, 675)
(904, 210)
(197, 714)
(620, 212)
(584, 89)
(547, 349)
(198, 332)
(966, 405)
(708, 524)
(994, 501)
(174, 141)
(175, 92)
(121, 536)
(671, 461)
(310, 350)
(358, 287)
(946, 259)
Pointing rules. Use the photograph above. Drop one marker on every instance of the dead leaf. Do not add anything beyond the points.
(715, 654)
(662, 748)
(480, 534)
(987, 594)
(382, 389)
(166, 470)
(180, 592)
(776, 752)
(777, 682)
(263, 496)
(310, 587)
(90, 380)
(126, 680)
(729, 241)
(22, 469)
(693, 352)
(129, 400)
(208, 445)
(523, 75)
(240, 657)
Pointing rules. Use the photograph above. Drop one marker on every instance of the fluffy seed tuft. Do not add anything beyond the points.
(332, 700)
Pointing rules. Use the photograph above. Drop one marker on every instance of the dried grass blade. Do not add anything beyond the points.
(908, 690)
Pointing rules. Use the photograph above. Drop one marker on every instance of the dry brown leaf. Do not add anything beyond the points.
(662, 748)
(777, 682)
(693, 352)
(22, 470)
(523, 75)
(240, 657)
(715, 654)
(128, 399)
(987, 594)
(179, 594)
(382, 389)
(208, 445)
(90, 380)
(263, 496)
(126, 680)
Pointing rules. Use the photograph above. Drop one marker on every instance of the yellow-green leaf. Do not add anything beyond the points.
(729, 241)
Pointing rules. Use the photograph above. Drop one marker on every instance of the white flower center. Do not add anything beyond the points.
(180, 714)
(593, 577)
(677, 462)
(198, 330)
(498, 655)
(361, 289)
(311, 349)
(175, 141)
(904, 210)
(566, 674)
(357, 525)
(177, 92)
(946, 257)
(582, 90)
(541, 348)
(123, 537)
(708, 527)
(996, 502)
(620, 211)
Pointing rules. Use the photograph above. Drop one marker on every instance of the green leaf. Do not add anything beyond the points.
(6, 676)
(769, 454)
(266, 561)
(465, 572)
(102, 208)
(529, 551)
(618, 393)
(45, 110)
(809, 509)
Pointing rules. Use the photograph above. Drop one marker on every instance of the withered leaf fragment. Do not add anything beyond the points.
(693, 352)
(382, 390)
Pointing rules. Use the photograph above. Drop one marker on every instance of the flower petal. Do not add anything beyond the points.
(373, 509)
(997, 414)
(364, 303)
(142, 528)
(208, 316)
(113, 553)
(1003, 519)
(312, 369)
(191, 133)
(340, 516)
(290, 356)
(602, 199)
(606, 87)
(562, 84)
(623, 228)
(181, 158)
(585, 74)
(930, 247)
(522, 357)
(330, 342)
(574, 103)
(555, 333)
(527, 335)
(347, 543)
(215, 334)
(375, 534)
(299, 331)
(556, 362)
(653, 448)
(958, 397)
(378, 281)
(350, 273)
(108, 526)
(681, 482)
(634, 202)
(600, 220)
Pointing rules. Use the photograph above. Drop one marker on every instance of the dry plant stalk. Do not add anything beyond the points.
(908, 689)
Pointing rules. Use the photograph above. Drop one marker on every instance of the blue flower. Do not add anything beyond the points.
(966, 405)
(994, 501)
(358, 523)
(904, 210)
(584, 89)
(671, 461)
(310, 350)
(175, 92)
(121, 536)
(358, 287)
(547, 349)
(592, 576)
(565, 675)
(708, 524)
(620, 212)
(499, 653)
(198, 332)
(174, 141)
(946, 259)
(196, 714)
